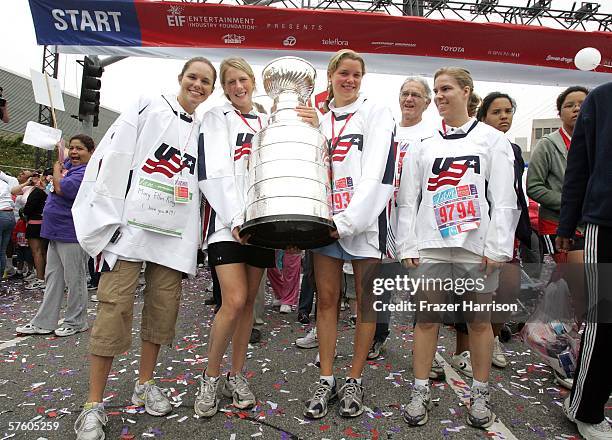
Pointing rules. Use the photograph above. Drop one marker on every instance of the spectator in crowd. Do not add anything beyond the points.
(33, 212)
(587, 197)
(152, 147)
(21, 193)
(285, 279)
(414, 98)
(66, 260)
(4, 116)
(22, 255)
(547, 167)
(7, 217)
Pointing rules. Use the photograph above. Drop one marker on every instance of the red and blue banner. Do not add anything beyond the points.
(391, 44)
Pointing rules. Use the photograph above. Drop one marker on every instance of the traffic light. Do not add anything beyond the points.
(89, 103)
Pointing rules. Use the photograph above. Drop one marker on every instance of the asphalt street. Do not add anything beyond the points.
(43, 383)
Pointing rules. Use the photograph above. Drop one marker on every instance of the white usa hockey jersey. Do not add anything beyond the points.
(457, 190)
(363, 156)
(126, 206)
(404, 137)
(224, 148)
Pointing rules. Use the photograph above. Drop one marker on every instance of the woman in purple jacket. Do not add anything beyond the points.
(66, 260)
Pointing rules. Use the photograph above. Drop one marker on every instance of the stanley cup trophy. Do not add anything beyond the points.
(288, 196)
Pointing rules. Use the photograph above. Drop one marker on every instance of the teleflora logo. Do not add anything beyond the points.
(176, 17)
(289, 41)
(233, 39)
(334, 42)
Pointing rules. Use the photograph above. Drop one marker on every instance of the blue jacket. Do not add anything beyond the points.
(587, 188)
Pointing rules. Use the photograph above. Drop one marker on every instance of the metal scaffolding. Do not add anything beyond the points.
(50, 66)
(582, 15)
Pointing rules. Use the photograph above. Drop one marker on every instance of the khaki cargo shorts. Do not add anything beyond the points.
(112, 330)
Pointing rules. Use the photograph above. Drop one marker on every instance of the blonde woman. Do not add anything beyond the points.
(224, 149)
(360, 134)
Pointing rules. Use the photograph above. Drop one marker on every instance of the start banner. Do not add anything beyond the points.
(175, 29)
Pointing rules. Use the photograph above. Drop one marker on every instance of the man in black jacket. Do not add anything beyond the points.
(587, 195)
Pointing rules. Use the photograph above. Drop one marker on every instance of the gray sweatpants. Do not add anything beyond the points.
(66, 267)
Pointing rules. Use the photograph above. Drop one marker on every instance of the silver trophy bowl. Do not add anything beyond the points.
(289, 186)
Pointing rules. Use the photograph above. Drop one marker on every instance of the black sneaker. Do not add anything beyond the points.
(377, 349)
(323, 395)
(303, 318)
(255, 336)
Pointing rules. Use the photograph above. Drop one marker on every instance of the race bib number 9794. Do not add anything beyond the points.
(457, 210)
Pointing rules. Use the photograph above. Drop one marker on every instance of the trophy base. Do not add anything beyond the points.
(283, 231)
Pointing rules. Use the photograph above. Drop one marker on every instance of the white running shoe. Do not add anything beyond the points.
(67, 330)
(91, 422)
(31, 329)
(152, 398)
(462, 363)
(308, 341)
(499, 358)
(35, 285)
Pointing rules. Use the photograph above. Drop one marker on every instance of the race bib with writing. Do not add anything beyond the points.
(153, 207)
(457, 210)
(342, 194)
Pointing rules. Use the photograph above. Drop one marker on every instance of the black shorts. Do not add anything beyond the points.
(33, 231)
(549, 247)
(228, 252)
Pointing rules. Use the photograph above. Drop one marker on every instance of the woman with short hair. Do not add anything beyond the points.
(456, 220)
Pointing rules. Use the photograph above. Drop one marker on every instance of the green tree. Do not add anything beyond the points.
(15, 155)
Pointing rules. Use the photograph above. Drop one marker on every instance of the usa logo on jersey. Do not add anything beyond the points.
(450, 170)
(167, 161)
(243, 145)
(343, 144)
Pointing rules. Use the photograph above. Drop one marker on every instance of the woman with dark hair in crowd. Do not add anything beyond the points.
(33, 212)
(66, 260)
(456, 220)
(547, 165)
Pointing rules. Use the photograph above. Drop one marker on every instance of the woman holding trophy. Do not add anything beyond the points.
(360, 137)
(224, 149)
